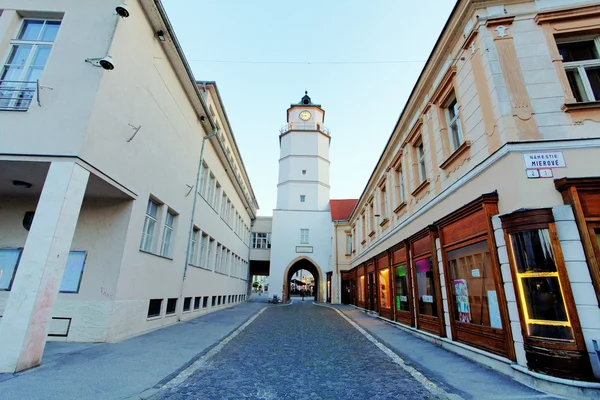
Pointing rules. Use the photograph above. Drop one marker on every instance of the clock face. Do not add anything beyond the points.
(305, 115)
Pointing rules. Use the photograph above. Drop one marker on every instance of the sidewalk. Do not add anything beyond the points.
(449, 371)
(124, 369)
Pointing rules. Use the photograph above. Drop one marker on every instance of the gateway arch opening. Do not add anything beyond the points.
(292, 281)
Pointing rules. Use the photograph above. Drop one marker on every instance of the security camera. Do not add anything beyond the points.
(122, 10)
(107, 63)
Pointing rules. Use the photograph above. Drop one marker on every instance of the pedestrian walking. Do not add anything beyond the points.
(302, 294)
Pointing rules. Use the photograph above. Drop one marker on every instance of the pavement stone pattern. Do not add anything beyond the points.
(301, 351)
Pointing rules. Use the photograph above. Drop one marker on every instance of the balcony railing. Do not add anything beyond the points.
(304, 126)
(16, 95)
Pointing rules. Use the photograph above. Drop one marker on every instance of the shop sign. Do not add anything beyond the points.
(554, 159)
(404, 298)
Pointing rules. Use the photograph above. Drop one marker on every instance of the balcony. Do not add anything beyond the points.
(17, 95)
(304, 126)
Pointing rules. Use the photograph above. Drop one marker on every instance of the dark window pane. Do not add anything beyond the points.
(171, 306)
(197, 303)
(544, 299)
(593, 75)
(576, 85)
(187, 304)
(550, 331)
(578, 51)
(154, 307)
(532, 251)
(402, 289)
(427, 300)
(205, 302)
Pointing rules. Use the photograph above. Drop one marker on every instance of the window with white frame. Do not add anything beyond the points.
(149, 230)
(210, 188)
(203, 179)
(349, 244)
(383, 208)
(218, 258)
(192, 257)
(581, 60)
(421, 169)
(167, 241)
(303, 236)
(25, 63)
(302, 198)
(399, 185)
(209, 249)
(217, 196)
(223, 205)
(454, 126)
(204, 248)
(261, 240)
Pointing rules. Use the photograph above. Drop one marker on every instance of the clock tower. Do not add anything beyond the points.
(301, 236)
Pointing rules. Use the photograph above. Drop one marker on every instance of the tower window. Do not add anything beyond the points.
(303, 236)
(303, 172)
(302, 198)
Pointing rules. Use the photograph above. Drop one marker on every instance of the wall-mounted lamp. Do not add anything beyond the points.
(106, 62)
(22, 184)
(161, 36)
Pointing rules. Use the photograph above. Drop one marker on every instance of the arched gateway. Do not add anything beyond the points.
(306, 264)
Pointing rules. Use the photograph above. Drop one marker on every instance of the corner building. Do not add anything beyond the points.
(479, 228)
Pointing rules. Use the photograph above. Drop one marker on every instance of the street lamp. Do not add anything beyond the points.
(191, 232)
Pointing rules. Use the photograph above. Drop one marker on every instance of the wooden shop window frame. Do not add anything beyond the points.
(400, 255)
(495, 340)
(575, 192)
(382, 262)
(428, 323)
(534, 220)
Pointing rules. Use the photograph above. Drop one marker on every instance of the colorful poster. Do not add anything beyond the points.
(462, 300)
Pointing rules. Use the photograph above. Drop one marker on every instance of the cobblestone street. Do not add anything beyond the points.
(301, 351)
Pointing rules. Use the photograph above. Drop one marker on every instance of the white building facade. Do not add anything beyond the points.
(124, 202)
(301, 229)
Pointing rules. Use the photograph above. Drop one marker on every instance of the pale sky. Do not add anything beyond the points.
(263, 54)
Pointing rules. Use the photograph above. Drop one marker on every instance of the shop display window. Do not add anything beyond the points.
(539, 285)
(473, 289)
(361, 288)
(426, 286)
(384, 288)
(402, 288)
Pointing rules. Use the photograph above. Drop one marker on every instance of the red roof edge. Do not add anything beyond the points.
(342, 209)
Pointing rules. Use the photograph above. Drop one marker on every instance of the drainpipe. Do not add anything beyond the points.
(191, 232)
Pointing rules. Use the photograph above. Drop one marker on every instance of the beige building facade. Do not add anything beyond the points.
(479, 227)
(125, 205)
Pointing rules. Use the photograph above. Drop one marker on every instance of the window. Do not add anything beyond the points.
(197, 303)
(473, 290)
(303, 236)
(211, 244)
(303, 172)
(348, 244)
(71, 280)
(192, 259)
(27, 57)
(217, 195)
(218, 258)
(224, 205)
(302, 198)
(399, 185)
(154, 308)
(203, 250)
(361, 288)
(210, 188)
(171, 306)
(546, 315)
(261, 240)
(581, 59)
(203, 179)
(187, 304)
(421, 162)
(205, 301)
(9, 258)
(453, 121)
(149, 226)
(383, 208)
(363, 225)
(166, 247)
(371, 218)
(219, 300)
